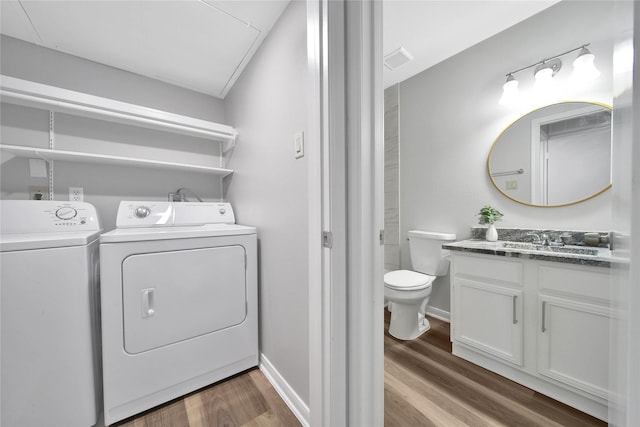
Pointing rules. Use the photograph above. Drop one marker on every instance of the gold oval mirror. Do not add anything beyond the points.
(554, 156)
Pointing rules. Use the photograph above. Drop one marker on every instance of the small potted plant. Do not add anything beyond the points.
(489, 215)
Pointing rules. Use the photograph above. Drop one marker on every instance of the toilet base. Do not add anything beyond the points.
(405, 325)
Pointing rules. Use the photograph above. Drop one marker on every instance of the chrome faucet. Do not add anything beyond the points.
(545, 240)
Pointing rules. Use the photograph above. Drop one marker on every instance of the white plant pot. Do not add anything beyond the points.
(492, 233)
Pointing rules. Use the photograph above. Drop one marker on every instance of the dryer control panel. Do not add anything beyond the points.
(153, 214)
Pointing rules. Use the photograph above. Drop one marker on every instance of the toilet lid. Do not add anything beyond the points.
(407, 280)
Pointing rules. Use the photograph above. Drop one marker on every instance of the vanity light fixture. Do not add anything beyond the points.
(583, 70)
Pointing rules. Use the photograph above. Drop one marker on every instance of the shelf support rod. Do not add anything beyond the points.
(52, 138)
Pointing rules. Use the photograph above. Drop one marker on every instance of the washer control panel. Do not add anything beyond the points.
(47, 216)
(153, 214)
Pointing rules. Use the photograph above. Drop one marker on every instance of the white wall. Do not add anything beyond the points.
(450, 117)
(104, 186)
(268, 105)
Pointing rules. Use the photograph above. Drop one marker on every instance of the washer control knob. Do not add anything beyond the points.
(222, 211)
(142, 212)
(66, 213)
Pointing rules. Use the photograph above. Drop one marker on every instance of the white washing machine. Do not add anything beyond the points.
(50, 314)
(179, 302)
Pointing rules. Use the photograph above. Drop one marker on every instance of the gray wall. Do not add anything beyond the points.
(104, 186)
(268, 105)
(450, 116)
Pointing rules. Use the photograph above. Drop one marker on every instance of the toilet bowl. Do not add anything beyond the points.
(408, 291)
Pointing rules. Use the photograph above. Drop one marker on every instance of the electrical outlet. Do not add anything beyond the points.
(76, 194)
(38, 193)
(512, 185)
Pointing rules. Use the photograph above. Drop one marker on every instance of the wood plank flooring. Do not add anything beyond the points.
(247, 400)
(426, 385)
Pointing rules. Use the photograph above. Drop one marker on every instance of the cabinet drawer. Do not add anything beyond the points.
(488, 268)
(582, 282)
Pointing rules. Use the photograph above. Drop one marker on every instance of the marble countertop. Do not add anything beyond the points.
(582, 255)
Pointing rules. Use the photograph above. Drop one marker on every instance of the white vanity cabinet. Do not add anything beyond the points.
(573, 327)
(543, 324)
(489, 306)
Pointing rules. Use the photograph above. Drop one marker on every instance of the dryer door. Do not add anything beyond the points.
(174, 296)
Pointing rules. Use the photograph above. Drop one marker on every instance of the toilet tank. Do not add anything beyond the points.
(426, 251)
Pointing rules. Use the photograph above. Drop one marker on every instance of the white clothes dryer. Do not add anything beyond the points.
(179, 302)
(50, 359)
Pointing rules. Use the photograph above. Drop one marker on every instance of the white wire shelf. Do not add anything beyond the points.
(74, 156)
(36, 95)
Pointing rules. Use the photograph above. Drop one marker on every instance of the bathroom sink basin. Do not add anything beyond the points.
(558, 249)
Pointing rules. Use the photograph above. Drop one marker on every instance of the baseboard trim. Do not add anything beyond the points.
(290, 397)
(445, 316)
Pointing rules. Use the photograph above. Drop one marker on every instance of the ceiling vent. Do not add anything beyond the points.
(397, 58)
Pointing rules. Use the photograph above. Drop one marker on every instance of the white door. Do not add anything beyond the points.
(345, 179)
(489, 318)
(573, 343)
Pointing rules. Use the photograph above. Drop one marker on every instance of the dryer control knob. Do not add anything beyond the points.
(222, 211)
(142, 211)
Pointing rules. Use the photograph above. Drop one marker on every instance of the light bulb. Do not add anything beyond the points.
(544, 79)
(584, 69)
(510, 91)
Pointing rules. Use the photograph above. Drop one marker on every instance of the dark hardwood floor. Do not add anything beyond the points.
(426, 385)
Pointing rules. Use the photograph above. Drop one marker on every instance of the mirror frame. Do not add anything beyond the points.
(493, 146)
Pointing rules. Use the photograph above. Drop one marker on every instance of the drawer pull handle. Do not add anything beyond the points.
(544, 312)
(515, 319)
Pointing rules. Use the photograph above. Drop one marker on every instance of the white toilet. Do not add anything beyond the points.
(408, 291)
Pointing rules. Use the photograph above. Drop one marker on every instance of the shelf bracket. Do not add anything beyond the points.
(229, 145)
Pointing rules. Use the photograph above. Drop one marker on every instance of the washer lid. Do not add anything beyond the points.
(407, 280)
(163, 233)
(23, 242)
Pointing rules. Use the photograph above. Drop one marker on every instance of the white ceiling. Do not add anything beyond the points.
(204, 45)
(432, 31)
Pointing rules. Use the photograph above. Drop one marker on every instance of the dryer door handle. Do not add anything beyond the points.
(148, 302)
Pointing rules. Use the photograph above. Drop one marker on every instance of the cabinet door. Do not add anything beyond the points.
(573, 343)
(489, 318)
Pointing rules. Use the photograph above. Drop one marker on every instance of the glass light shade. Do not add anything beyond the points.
(510, 91)
(544, 78)
(584, 69)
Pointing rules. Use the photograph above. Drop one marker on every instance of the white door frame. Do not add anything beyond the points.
(346, 200)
